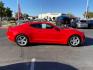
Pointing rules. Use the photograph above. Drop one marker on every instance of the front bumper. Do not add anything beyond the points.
(10, 36)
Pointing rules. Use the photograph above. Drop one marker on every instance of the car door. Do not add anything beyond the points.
(45, 33)
(35, 32)
(49, 33)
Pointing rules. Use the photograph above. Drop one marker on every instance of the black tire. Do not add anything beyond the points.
(25, 41)
(78, 41)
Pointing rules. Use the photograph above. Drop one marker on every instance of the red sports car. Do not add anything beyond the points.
(44, 32)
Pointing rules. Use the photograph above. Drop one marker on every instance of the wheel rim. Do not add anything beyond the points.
(22, 40)
(75, 40)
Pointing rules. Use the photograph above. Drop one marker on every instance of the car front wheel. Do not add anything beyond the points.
(74, 41)
(21, 40)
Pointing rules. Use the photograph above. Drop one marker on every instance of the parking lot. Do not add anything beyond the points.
(47, 57)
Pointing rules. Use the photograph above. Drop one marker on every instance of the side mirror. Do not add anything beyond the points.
(57, 29)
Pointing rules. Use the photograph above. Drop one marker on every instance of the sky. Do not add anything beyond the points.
(35, 7)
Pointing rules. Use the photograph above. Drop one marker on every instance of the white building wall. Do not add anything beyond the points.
(48, 15)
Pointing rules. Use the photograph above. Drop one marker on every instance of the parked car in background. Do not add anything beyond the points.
(21, 22)
(73, 23)
(90, 23)
(80, 24)
(44, 32)
(63, 21)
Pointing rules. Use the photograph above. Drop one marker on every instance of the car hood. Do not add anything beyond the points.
(71, 30)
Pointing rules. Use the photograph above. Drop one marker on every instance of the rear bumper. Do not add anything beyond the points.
(82, 25)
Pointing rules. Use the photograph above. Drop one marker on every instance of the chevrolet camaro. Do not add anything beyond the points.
(44, 32)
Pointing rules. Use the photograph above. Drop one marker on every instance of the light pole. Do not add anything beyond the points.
(87, 9)
(18, 14)
(41, 12)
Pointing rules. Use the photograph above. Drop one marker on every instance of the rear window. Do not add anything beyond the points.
(83, 21)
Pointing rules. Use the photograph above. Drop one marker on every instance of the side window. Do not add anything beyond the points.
(83, 21)
(47, 26)
(36, 25)
(42, 26)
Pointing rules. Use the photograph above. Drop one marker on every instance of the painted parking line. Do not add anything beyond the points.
(32, 65)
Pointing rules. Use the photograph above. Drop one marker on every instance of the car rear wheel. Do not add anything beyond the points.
(21, 40)
(74, 41)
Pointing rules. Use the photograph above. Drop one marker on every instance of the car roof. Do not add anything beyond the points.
(36, 22)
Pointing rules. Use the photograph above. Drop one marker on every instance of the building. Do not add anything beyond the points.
(32, 17)
(49, 16)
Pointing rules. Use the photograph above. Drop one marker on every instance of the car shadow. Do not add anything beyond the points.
(38, 66)
(88, 41)
(38, 44)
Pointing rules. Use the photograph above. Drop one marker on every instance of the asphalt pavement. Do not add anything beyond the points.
(47, 57)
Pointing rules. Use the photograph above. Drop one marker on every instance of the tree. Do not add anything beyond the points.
(25, 16)
(88, 14)
(70, 15)
(1, 9)
(4, 12)
(8, 12)
(21, 16)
